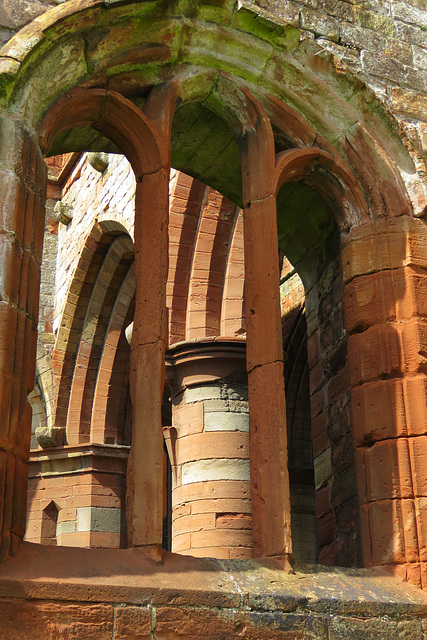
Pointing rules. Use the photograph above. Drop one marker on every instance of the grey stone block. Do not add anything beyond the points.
(226, 421)
(215, 469)
(107, 520)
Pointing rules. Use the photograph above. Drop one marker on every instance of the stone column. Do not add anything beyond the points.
(385, 301)
(208, 446)
(145, 474)
(22, 198)
(268, 441)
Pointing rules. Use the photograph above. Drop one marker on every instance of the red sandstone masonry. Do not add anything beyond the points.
(392, 518)
(410, 341)
(20, 284)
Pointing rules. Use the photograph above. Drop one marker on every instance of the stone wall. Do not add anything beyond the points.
(177, 598)
(383, 41)
(14, 14)
(92, 197)
(80, 494)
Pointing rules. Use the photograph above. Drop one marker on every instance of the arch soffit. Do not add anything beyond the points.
(116, 117)
(289, 78)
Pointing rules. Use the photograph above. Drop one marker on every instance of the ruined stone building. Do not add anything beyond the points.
(213, 339)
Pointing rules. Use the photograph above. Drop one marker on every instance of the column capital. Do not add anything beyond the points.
(202, 361)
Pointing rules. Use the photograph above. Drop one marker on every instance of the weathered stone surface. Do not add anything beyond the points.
(20, 619)
(226, 421)
(409, 104)
(217, 469)
(371, 629)
(98, 519)
(348, 120)
(319, 24)
(185, 594)
(132, 623)
(16, 13)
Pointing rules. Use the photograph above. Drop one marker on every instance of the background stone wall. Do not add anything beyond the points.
(383, 41)
(92, 197)
(16, 13)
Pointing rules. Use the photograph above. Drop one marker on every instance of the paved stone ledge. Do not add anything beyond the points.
(180, 596)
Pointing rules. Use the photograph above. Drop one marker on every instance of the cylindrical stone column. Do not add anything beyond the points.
(208, 445)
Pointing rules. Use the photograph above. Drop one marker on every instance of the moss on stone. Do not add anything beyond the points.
(278, 35)
(306, 229)
(203, 146)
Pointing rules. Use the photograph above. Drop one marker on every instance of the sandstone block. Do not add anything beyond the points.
(205, 446)
(320, 24)
(386, 524)
(388, 470)
(414, 346)
(409, 103)
(337, 8)
(323, 497)
(374, 353)
(357, 36)
(181, 542)
(221, 538)
(233, 521)
(226, 421)
(375, 21)
(370, 300)
(98, 519)
(371, 629)
(375, 247)
(218, 469)
(188, 418)
(222, 505)
(418, 451)
(205, 392)
(65, 527)
(181, 510)
(326, 529)
(421, 505)
(132, 623)
(323, 468)
(378, 411)
(193, 523)
(228, 489)
(409, 13)
(22, 619)
(104, 540)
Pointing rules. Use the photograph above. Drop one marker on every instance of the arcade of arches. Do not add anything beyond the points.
(204, 215)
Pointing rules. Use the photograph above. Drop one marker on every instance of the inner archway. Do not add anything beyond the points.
(309, 237)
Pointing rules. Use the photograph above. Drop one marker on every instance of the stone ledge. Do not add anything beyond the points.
(46, 590)
(78, 458)
(133, 576)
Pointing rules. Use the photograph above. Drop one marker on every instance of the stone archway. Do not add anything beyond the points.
(257, 82)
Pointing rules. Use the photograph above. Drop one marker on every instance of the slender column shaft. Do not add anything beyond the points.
(268, 442)
(145, 476)
(22, 198)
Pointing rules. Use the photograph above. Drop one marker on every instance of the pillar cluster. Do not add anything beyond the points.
(384, 271)
(23, 190)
